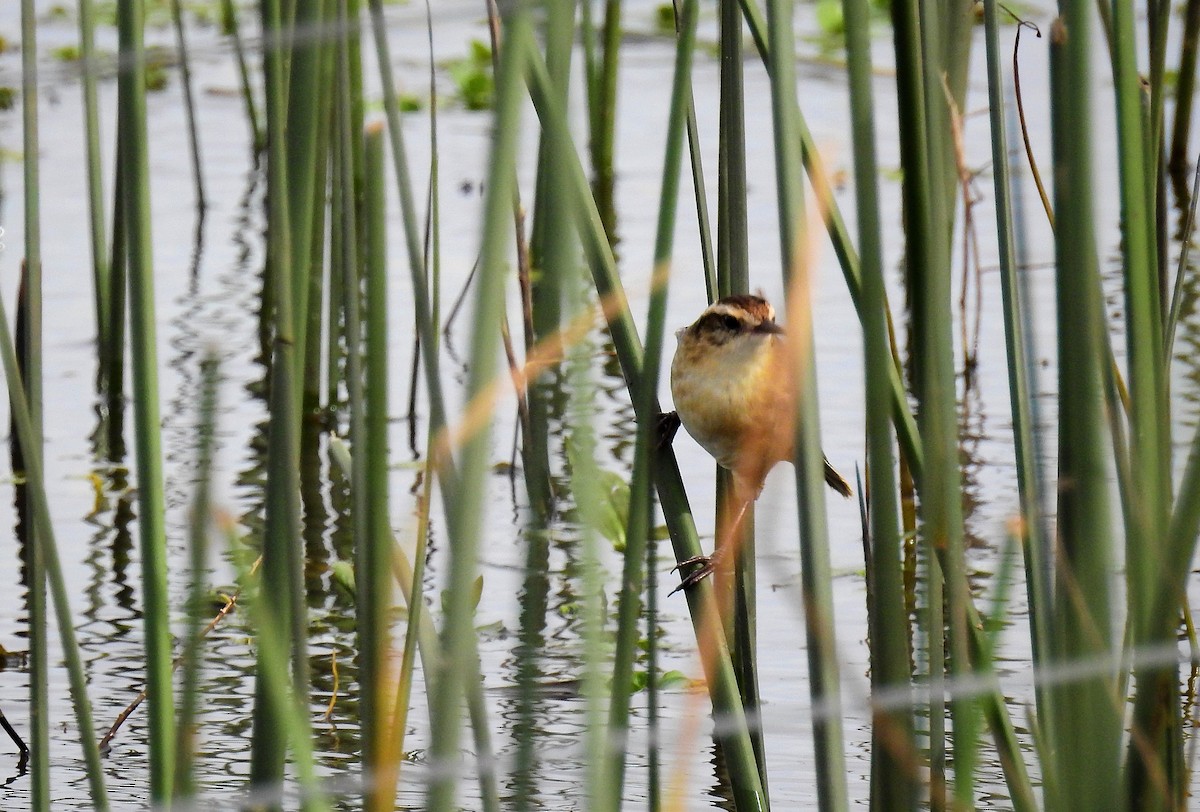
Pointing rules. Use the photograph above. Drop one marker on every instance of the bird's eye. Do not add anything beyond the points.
(731, 323)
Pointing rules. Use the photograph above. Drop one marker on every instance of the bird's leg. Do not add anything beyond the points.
(709, 563)
(666, 425)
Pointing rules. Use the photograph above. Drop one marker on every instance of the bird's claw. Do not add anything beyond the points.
(708, 565)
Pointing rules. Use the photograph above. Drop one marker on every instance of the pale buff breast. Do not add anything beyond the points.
(734, 399)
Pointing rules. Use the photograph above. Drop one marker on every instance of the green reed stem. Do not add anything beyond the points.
(458, 642)
(30, 322)
(639, 526)
(426, 332)
(698, 187)
(602, 793)
(928, 53)
(1184, 90)
(95, 185)
(155, 601)
(115, 306)
(895, 758)
(922, 240)
(732, 731)
(305, 100)
(810, 482)
(374, 575)
(1087, 727)
(198, 529)
(282, 567)
(733, 276)
(229, 16)
(551, 250)
(603, 114)
(189, 105)
(1156, 776)
(1033, 532)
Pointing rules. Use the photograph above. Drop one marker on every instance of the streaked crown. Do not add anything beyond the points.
(733, 316)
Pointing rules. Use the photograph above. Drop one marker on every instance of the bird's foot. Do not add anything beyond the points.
(666, 425)
(707, 566)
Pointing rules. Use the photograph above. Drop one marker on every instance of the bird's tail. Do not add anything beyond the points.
(836, 481)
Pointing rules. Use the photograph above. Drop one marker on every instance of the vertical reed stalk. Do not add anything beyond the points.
(374, 577)
(229, 18)
(189, 106)
(198, 530)
(367, 614)
(603, 112)
(30, 304)
(733, 276)
(553, 256)
(1033, 526)
(1184, 88)
(412, 241)
(1155, 760)
(305, 101)
(894, 753)
(930, 153)
(458, 631)
(282, 568)
(1087, 731)
(115, 307)
(810, 481)
(581, 448)
(95, 186)
(135, 188)
(639, 526)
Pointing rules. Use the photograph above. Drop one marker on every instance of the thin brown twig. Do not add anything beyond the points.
(230, 602)
(1037, 176)
(333, 699)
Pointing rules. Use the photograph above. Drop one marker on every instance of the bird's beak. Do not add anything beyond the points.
(679, 333)
(769, 327)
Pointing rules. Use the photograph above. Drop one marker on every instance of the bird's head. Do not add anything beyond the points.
(733, 318)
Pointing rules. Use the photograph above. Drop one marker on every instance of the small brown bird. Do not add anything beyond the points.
(732, 385)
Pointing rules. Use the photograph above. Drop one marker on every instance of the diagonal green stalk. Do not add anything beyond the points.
(155, 605)
(810, 483)
(732, 731)
(25, 430)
